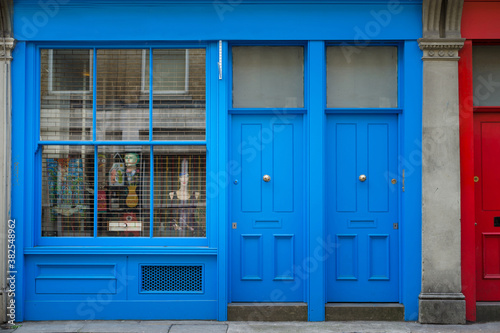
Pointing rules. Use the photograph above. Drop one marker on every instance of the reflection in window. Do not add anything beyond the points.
(122, 108)
(177, 115)
(66, 94)
(364, 78)
(67, 191)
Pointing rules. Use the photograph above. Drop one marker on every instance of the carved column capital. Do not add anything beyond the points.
(6, 47)
(441, 48)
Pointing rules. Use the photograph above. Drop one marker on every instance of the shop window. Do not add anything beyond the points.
(486, 78)
(128, 187)
(268, 76)
(362, 77)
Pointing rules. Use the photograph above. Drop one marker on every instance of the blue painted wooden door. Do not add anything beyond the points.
(267, 222)
(361, 213)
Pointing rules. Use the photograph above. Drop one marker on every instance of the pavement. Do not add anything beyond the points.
(131, 326)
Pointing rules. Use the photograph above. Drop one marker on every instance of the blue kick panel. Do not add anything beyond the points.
(361, 214)
(267, 218)
(91, 287)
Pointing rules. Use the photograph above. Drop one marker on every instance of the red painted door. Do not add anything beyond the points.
(487, 194)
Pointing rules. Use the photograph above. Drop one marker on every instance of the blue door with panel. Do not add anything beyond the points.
(267, 216)
(362, 208)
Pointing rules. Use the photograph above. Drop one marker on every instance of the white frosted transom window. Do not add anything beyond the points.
(362, 77)
(268, 77)
(486, 78)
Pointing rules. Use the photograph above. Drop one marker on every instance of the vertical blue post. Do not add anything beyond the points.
(316, 179)
(411, 162)
(151, 148)
(19, 167)
(221, 127)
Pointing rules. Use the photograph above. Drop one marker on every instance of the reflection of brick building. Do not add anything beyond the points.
(200, 160)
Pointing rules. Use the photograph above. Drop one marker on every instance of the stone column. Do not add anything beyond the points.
(441, 300)
(6, 46)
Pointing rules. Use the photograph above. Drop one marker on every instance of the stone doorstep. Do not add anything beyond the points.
(267, 312)
(487, 311)
(364, 312)
(298, 312)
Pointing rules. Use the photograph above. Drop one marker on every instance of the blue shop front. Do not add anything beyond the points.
(172, 159)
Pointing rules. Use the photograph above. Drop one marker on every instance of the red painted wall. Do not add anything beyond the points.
(467, 180)
(480, 23)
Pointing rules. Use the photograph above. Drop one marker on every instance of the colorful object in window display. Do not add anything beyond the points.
(66, 186)
(116, 174)
(101, 201)
(132, 175)
(182, 200)
(127, 225)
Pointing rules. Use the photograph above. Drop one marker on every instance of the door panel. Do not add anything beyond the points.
(487, 196)
(267, 244)
(361, 214)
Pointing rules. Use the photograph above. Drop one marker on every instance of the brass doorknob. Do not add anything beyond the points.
(266, 178)
(362, 178)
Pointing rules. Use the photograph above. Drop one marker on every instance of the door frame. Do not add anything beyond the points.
(409, 158)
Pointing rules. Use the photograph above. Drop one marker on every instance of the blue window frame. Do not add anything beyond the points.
(113, 157)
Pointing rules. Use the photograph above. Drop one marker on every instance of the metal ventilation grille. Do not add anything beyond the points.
(163, 278)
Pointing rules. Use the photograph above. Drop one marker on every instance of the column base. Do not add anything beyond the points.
(441, 308)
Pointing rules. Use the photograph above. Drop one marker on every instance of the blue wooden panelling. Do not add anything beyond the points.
(283, 257)
(379, 253)
(109, 287)
(251, 168)
(411, 162)
(257, 142)
(208, 21)
(251, 257)
(346, 257)
(345, 167)
(365, 267)
(378, 164)
(115, 24)
(319, 247)
(283, 168)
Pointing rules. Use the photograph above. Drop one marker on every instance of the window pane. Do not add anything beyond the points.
(66, 94)
(179, 101)
(268, 77)
(362, 77)
(180, 191)
(67, 191)
(123, 181)
(486, 77)
(122, 106)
